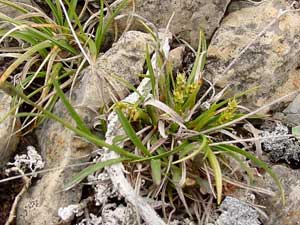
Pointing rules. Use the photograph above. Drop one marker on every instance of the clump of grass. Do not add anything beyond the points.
(180, 155)
(178, 144)
(44, 41)
(179, 137)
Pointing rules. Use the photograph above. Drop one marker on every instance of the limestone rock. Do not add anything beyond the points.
(236, 5)
(60, 147)
(279, 214)
(236, 212)
(292, 112)
(8, 142)
(175, 58)
(294, 107)
(272, 60)
(190, 16)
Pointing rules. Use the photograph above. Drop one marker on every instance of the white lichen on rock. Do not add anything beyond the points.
(235, 212)
(121, 215)
(103, 188)
(280, 148)
(111, 214)
(32, 160)
(92, 220)
(68, 213)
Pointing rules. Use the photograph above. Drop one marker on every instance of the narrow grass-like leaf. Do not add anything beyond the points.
(43, 36)
(163, 107)
(195, 70)
(90, 170)
(151, 71)
(214, 164)
(131, 132)
(72, 9)
(13, 5)
(203, 119)
(193, 154)
(58, 17)
(59, 12)
(156, 171)
(13, 91)
(255, 160)
(164, 154)
(242, 164)
(81, 125)
(23, 58)
(74, 17)
(99, 32)
(109, 22)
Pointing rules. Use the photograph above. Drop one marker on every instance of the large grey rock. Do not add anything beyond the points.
(8, 142)
(60, 147)
(190, 16)
(236, 212)
(289, 213)
(272, 60)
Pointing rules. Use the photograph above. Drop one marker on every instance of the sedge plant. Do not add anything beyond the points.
(179, 132)
(180, 153)
(185, 147)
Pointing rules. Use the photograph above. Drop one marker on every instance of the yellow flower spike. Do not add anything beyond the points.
(191, 88)
(180, 81)
(178, 97)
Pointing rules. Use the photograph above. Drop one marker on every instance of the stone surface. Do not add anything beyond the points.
(60, 147)
(271, 61)
(292, 112)
(236, 212)
(236, 5)
(294, 107)
(8, 143)
(190, 16)
(10, 11)
(175, 58)
(280, 149)
(288, 214)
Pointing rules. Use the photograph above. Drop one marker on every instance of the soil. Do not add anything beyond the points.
(9, 191)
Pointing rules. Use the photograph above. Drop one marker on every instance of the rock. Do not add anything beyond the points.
(290, 212)
(60, 147)
(272, 60)
(8, 142)
(236, 212)
(190, 16)
(292, 112)
(175, 58)
(112, 214)
(280, 149)
(12, 12)
(122, 215)
(294, 107)
(236, 5)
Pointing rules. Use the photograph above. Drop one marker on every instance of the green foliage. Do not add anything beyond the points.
(62, 37)
(178, 154)
(171, 113)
